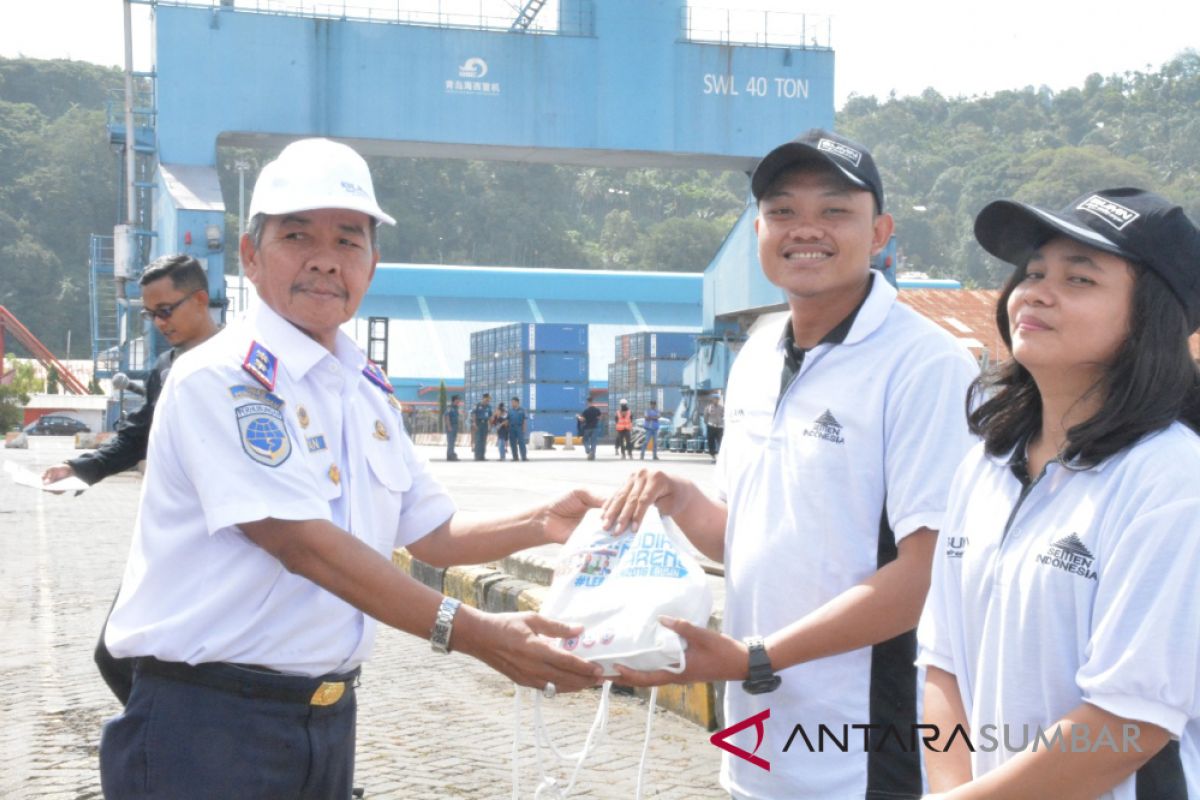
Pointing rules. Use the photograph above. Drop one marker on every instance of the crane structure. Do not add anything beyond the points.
(10, 324)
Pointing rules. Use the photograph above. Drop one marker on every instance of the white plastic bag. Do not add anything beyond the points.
(618, 586)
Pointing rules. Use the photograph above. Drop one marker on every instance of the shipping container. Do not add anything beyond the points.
(659, 372)
(542, 367)
(551, 337)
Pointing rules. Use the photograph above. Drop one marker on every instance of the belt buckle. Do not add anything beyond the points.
(328, 693)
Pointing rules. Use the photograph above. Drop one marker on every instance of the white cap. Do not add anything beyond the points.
(316, 173)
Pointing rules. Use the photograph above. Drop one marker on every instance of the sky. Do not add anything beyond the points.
(957, 48)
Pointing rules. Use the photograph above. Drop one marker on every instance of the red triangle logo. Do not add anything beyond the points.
(719, 739)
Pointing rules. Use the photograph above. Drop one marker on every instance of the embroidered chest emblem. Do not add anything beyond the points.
(1070, 555)
(826, 427)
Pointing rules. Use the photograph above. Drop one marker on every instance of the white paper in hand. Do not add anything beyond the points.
(26, 477)
(618, 586)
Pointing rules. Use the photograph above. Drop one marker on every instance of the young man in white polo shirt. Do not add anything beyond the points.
(843, 425)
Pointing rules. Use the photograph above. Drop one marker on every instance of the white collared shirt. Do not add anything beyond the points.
(1082, 591)
(326, 443)
(861, 446)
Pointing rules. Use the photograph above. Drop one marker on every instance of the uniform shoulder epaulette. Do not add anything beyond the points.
(375, 375)
(262, 364)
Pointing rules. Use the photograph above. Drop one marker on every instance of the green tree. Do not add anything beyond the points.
(442, 403)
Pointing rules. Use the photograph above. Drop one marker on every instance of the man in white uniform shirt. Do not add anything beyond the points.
(280, 479)
(843, 425)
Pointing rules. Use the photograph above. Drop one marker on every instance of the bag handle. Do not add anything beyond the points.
(548, 786)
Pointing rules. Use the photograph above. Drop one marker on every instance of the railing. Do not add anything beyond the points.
(494, 15)
(758, 28)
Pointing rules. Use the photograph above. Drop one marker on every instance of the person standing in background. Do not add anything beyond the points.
(624, 430)
(452, 417)
(517, 424)
(500, 423)
(481, 418)
(714, 423)
(650, 423)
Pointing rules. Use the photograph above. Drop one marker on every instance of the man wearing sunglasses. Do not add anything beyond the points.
(175, 296)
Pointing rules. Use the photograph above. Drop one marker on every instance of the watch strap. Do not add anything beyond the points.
(762, 677)
(443, 625)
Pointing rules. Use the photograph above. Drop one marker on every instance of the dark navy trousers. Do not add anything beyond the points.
(182, 741)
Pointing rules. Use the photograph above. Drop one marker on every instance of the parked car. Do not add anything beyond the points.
(56, 425)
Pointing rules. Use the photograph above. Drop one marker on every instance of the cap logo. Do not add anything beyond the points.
(840, 150)
(354, 189)
(1114, 214)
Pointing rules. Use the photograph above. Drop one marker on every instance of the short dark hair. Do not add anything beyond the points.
(1151, 382)
(254, 229)
(514, 400)
(454, 397)
(185, 272)
(486, 394)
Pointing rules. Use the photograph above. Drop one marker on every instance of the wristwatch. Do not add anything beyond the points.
(443, 625)
(762, 677)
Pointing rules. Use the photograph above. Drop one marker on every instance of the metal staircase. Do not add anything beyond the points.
(109, 272)
(526, 15)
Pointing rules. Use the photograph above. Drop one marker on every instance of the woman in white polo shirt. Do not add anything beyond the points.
(1062, 628)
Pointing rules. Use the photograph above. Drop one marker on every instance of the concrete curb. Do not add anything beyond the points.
(520, 583)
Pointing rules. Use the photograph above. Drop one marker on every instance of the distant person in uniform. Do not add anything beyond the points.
(279, 481)
(714, 424)
(500, 424)
(1063, 597)
(650, 423)
(624, 430)
(481, 419)
(518, 429)
(175, 298)
(830, 489)
(453, 412)
(589, 422)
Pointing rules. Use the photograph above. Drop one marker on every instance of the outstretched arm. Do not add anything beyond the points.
(350, 569)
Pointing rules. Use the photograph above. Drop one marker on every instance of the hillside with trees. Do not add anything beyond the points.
(942, 159)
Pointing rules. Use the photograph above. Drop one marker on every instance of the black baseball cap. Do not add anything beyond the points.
(1134, 224)
(848, 157)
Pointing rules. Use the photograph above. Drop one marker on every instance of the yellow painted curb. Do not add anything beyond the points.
(464, 582)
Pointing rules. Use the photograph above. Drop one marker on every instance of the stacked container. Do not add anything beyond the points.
(544, 364)
(649, 366)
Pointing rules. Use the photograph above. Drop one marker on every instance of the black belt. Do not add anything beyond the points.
(251, 681)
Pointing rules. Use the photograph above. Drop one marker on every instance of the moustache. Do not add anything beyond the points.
(319, 286)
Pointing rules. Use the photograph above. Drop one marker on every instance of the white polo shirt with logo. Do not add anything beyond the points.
(1083, 591)
(325, 443)
(858, 454)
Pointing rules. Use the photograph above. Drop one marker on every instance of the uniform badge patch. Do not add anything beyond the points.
(262, 364)
(335, 474)
(264, 434)
(242, 392)
(375, 375)
(381, 431)
(302, 416)
(315, 443)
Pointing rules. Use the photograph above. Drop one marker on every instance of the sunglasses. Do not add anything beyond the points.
(165, 312)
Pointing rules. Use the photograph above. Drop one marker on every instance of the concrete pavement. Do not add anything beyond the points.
(428, 726)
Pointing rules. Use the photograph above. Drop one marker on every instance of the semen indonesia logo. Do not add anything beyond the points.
(264, 434)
